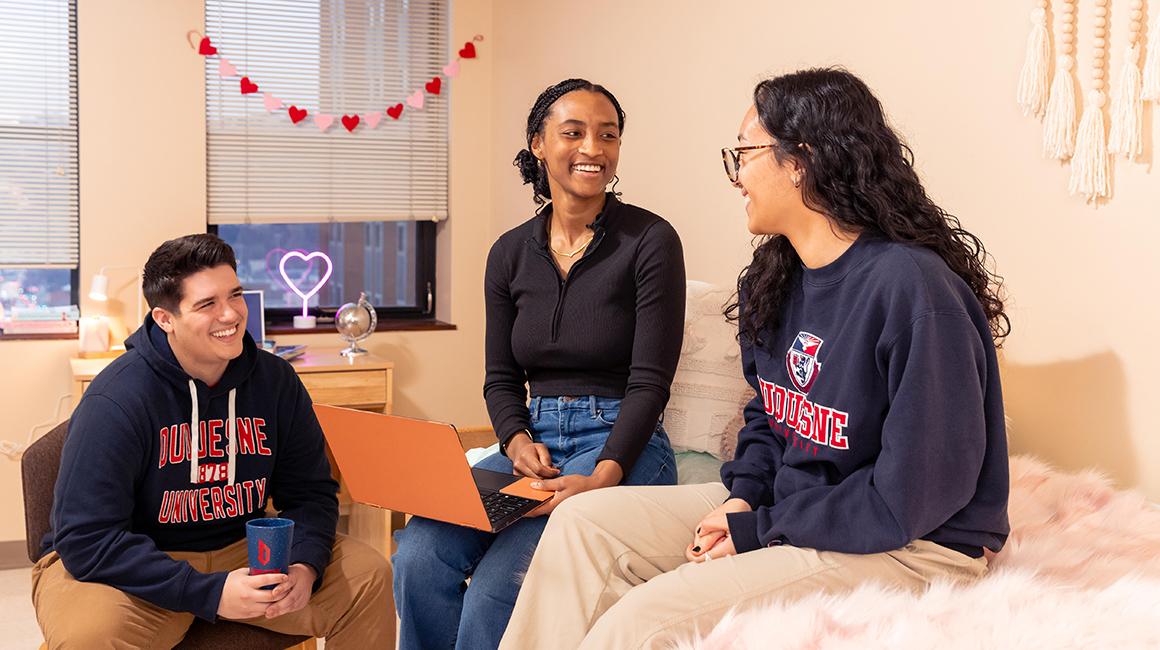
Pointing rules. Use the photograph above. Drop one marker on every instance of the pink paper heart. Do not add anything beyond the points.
(305, 294)
(272, 103)
(415, 100)
(373, 119)
(323, 121)
(451, 69)
(226, 69)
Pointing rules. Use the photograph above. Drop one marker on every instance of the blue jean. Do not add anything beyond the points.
(436, 606)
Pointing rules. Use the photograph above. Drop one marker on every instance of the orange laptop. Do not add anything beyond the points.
(418, 467)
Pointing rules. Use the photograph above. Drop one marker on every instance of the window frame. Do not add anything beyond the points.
(425, 285)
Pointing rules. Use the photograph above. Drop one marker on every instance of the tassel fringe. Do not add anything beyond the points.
(1127, 108)
(1033, 78)
(1089, 166)
(1151, 84)
(1059, 120)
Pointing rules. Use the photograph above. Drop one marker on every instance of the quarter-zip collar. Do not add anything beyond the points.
(599, 225)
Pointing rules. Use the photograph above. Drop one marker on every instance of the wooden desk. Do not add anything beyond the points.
(365, 382)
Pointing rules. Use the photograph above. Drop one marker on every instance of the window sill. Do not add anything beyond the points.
(39, 337)
(384, 325)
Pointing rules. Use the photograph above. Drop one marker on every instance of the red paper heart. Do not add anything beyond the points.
(206, 48)
(248, 86)
(297, 114)
(468, 51)
(395, 111)
(350, 122)
(434, 85)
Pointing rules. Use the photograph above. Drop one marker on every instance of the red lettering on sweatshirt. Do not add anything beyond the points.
(823, 425)
(260, 437)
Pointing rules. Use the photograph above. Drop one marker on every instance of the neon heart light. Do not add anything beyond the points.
(305, 295)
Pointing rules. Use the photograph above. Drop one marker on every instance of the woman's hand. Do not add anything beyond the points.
(607, 474)
(530, 459)
(711, 538)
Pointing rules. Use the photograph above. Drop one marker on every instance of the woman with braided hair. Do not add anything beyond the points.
(585, 306)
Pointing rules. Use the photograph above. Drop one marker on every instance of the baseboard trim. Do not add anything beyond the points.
(14, 555)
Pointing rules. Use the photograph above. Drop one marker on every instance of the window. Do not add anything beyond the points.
(368, 199)
(39, 204)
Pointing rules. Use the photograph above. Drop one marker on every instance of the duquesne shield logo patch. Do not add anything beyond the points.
(801, 361)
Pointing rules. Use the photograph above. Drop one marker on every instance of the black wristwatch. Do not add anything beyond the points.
(503, 445)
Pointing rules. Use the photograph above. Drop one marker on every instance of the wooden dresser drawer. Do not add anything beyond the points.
(364, 389)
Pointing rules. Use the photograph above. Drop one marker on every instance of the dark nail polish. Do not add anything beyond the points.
(698, 530)
(696, 549)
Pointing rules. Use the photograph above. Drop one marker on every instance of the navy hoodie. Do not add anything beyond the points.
(878, 415)
(131, 486)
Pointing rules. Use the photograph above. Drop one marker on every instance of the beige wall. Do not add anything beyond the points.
(1082, 369)
(142, 157)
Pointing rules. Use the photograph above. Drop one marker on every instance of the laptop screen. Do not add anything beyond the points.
(256, 320)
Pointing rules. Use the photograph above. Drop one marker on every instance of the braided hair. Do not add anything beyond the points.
(532, 169)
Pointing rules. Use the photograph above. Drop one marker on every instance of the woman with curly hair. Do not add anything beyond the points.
(874, 448)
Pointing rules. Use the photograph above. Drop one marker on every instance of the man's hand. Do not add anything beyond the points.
(243, 596)
(293, 594)
(531, 459)
(607, 474)
(711, 538)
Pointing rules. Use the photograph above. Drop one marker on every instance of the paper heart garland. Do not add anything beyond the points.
(305, 295)
(323, 121)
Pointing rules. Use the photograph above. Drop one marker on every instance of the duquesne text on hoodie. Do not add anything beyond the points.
(173, 447)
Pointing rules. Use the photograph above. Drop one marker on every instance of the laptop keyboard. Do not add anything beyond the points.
(500, 506)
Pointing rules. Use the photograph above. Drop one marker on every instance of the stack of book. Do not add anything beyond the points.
(41, 320)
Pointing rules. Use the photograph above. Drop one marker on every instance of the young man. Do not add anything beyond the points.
(149, 522)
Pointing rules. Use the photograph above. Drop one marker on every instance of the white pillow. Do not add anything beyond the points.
(709, 390)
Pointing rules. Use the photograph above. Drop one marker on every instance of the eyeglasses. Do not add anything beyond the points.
(731, 157)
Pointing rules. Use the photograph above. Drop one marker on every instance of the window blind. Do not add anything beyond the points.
(39, 203)
(337, 57)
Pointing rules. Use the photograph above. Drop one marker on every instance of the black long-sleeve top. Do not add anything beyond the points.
(612, 328)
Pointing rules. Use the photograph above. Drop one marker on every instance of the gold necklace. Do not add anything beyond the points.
(575, 252)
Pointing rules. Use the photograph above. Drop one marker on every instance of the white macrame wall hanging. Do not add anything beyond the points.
(1052, 97)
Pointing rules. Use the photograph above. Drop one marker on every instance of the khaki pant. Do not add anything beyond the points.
(610, 572)
(352, 609)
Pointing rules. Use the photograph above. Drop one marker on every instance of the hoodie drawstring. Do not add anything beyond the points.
(231, 427)
(195, 436)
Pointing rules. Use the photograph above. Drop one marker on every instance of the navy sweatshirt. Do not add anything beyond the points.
(612, 328)
(128, 489)
(878, 415)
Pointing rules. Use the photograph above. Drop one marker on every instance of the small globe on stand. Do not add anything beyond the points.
(356, 321)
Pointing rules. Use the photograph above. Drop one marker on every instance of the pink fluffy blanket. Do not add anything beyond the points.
(1081, 569)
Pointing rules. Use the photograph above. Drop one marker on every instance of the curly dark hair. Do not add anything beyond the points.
(860, 175)
(532, 169)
